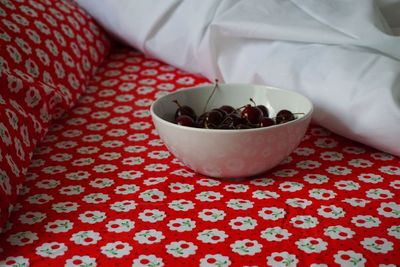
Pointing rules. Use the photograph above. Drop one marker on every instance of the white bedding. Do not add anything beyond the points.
(342, 54)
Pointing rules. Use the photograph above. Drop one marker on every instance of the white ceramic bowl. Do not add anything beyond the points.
(231, 153)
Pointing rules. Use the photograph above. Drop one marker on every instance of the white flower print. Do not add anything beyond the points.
(15, 262)
(331, 211)
(377, 245)
(331, 156)
(32, 217)
(80, 261)
(85, 238)
(72, 190)
(349, 258)
(382, 156)
(154, 180)
(379, 193)
(181, 249)
(356, 202)
(110, 156)
(96, 198)
(262, 181)
(308, 164)
(370, 178)
(304, 221)
(236, 188)
(150, 236)
(311, 245)
(325, 142)
(152, 216)
(152, 195)
(101, 182)
(339, 232)
(264, 194)
(321, 194)
(22, 238)
(181, 205)
(208, 182)
(304, 151)
(391, 170)
(212, 215)
(181, 224)
(366, 221)
(395, 184)
(360, 163)
(160, 154)
(298, 202)
(290, 186)
(239, 204)
(92, 217)
(282, 259)
(79, 175)
(316, 178)
(394, 231)
(286, 173)
(65, 207)
(120, 225)
(59, 226)
(148, 261)
(347, 185)
(180, 187)
(183, 173)
(208, 196)
(132, 161)
(156, 167)
(212, 236)
(243, 223)
(130, 175)
(272, 213)
(51, 250)
(389, 210)
(116, 249)
(275, 234)
(246, 247)
(39, 199)
(339, 170)
(47, 184)
(126, 189)
(123, 206)
(215, 260)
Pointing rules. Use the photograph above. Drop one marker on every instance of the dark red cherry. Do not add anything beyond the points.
(184, 110)
(265, 122)
(185, 120)
(243, 126)
(227, 109)
(284, 116)
(214, 117)
(264, 110)
(200, 122)
(252, 114)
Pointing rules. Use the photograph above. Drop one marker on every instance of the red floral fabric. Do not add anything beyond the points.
(103, 190)
(48, 52)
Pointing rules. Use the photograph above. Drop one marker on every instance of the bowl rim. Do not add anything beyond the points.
(199, 87)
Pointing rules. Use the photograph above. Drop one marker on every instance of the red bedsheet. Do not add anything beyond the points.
(103, 190)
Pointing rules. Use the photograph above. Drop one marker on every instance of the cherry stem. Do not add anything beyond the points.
(177, 103)
(212, 93)
(252, 101)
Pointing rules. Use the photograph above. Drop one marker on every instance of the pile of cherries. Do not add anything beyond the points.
(228, 117)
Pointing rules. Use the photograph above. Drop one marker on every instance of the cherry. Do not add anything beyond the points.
(227, 109)
(214, 117)
(252, 114)
(264, 110)
(185, 120)
(265, 122)
(284, 116)
(184, 110)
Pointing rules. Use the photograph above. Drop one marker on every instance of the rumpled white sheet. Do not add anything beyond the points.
(342, 54)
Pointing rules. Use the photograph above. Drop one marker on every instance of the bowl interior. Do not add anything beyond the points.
(236, 95)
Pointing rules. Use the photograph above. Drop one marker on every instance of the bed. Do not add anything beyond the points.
(101, 189)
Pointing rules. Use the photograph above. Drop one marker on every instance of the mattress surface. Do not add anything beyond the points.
(103, 190)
